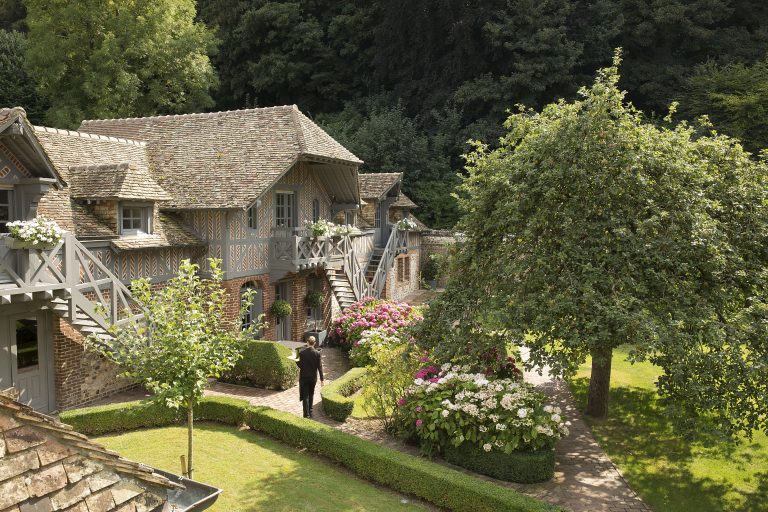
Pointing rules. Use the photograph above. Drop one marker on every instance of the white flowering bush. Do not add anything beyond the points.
(361, 352)
(38, 231)
(321, 228)
(451, 406)
(406, 224)
(343, 230)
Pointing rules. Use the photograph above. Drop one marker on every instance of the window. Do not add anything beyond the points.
(135, 220)
(376, 216)
(349, 217)
(403, 269)
(314, 315)
(5, 210)
(315, 210)
(400, 268)
(256, 309)
(284, 209)
(253, 217)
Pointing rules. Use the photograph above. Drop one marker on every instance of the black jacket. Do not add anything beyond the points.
(310, 364)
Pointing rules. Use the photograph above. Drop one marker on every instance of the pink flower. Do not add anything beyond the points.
(423, 359)
(401, 402)
(419, 423)
(419, 409)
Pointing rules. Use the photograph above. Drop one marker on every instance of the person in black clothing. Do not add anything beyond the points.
(310, 364)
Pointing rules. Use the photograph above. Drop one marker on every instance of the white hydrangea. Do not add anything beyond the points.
(522, 413)
(36, 231)
(487, 447)
(548, 409)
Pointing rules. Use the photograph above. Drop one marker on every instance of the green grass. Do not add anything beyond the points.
(670, 473)
(255, 472)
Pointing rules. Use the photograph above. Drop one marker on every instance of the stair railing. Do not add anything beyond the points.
(354, 271)
(396, 244)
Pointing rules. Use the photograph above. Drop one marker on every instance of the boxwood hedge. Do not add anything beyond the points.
(520, 467)
(401, 472)
(264, 364)
(337, 401)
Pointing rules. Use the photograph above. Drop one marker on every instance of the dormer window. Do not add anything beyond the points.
(135, 219)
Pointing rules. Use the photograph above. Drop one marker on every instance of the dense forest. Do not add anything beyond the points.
(403, 84)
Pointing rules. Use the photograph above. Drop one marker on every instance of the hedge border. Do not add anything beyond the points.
(401, 472)
(519, 467)
(337, 403)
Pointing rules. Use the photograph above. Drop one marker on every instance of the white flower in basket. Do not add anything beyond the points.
(38, 232)
(406, 224)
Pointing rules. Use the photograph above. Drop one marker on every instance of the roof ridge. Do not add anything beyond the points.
(93, 136)
(299, 129)
(191, 114)
(125, 164)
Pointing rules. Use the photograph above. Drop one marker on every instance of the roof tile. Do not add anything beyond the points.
(375, 184)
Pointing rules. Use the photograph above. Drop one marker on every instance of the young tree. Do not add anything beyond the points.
(95, 59)
(589, 228)
(185, 338)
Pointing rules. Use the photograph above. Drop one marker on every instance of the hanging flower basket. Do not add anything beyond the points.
(15, 243)
(38, 233)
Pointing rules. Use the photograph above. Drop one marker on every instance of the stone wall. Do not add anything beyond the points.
(81, 376)
(399, 286)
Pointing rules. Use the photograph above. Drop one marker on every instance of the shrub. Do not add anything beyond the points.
(281, 308)
(371, 313)
(264, 364)
(520, 467)
(103, 419)
(404, 473)
(360, 353)
(222, 409)
(448, 406)
(337, 403)
(314, 299)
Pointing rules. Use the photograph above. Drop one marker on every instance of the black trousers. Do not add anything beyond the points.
(307, 395)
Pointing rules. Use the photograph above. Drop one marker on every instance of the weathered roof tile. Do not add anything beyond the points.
(114, 181)
(375, 185)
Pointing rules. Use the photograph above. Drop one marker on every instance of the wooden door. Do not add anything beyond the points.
(31, 360)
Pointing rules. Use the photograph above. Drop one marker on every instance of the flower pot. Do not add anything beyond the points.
(525, 467)
(15, 243)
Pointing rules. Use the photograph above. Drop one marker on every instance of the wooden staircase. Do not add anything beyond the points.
(373, 264)
(342, 290)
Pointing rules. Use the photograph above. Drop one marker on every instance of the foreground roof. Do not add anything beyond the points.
(375, 185)
(224, 159)
(403, 201)
(115, 181)
(45, 465)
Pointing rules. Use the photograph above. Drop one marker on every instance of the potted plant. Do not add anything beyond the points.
(281, 308)
(406, 224)
(314, 299)
(320, 228)
(38, 233)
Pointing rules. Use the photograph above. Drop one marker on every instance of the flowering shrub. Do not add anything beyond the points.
(37, 231)
(449, 406)
(320, 228)
(370, 313)
(361, 352)
(406, 224)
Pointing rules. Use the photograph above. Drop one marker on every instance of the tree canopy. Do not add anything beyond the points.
(590, 227)
(95, 59)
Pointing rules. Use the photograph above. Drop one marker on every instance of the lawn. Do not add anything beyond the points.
(256, 473)
(673, 474)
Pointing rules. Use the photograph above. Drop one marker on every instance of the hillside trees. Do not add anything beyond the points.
(590, 228)
(94, 59)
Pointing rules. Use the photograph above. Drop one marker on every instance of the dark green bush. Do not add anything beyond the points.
(337, 403)
(405, 473)
(222, 409)
(265, 364)
(102, 419)
(520, 467)
(281, 308)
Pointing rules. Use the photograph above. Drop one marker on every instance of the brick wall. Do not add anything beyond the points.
(234, 287)
(368, 211)
(81, 376)
(396, 289)
(106, 211)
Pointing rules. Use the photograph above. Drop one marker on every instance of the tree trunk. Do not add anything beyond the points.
(189, 441)
(599, 383)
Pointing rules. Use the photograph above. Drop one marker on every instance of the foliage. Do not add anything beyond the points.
(17, 89)
(281, 308)
(104, 419)
(322, 227)
(670, 472)
(430, 269)
(371, 313)
(37, 231)
(442, 486)
(406, 224)
(185, 338)
(520, 467)
(361, 353)
(734, 97)
(336, 396)
(590, 227)
(314, 299)
(450, 406)
(388, 379)
(12, 14)
(96, 59)
(264, 364)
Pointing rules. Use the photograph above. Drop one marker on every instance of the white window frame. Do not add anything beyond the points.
(253, 217)
(289, 208)
(145, 219)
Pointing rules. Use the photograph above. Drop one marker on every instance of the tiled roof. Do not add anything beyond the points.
(9, 114)
(224, 159)
(376, 184)
(71, 216)
(114, 181)
(403, 201)
(168, 232)
(45, 465)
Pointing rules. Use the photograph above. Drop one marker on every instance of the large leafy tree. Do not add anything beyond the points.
(185, 338)
(590, 228)
(17, 89)
(96, 59)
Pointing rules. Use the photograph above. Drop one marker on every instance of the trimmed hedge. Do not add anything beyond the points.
(401, 472)
(103, 419)
(337, 403)
(405, 473)
(264, 364)
(520, 467)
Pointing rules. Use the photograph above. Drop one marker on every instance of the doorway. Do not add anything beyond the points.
(26, 359)
(283, 325)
